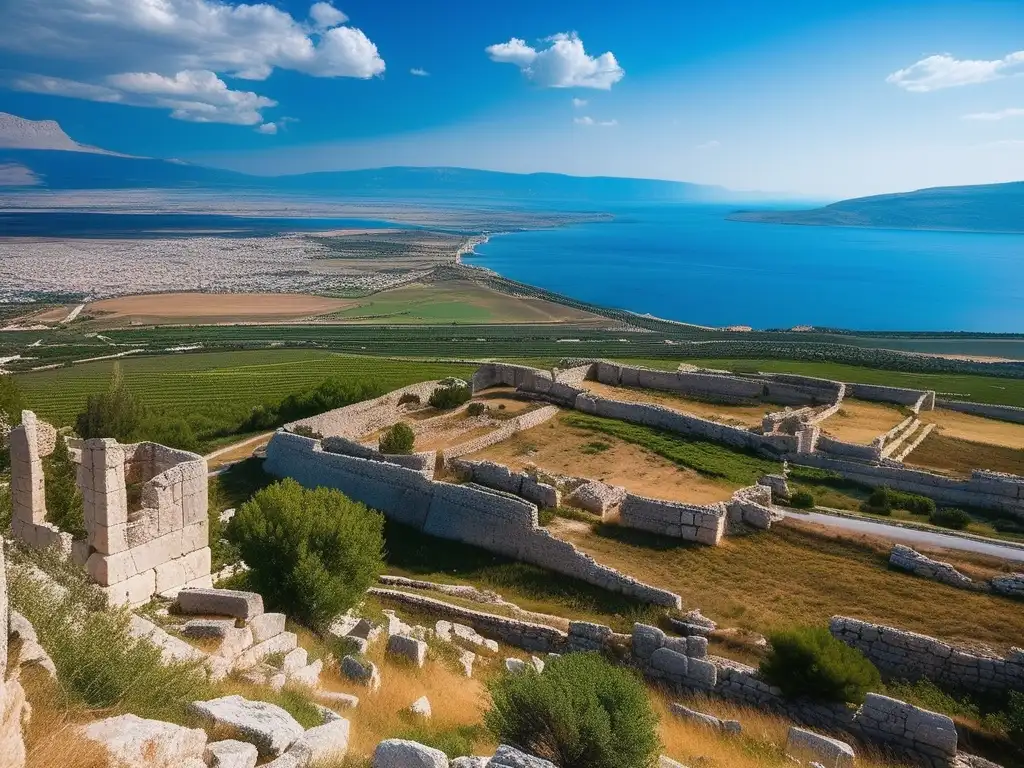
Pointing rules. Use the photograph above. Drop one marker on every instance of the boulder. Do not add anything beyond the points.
(806, 746)
(509, 757)
(338, 700)
(220, 602)
(231, 754)
(470, 762)
(515, 665)
(408, 647)
(265, 626)
(400, 753)
(363, 672)
(646, 640)
(132, 742)
(309, 675)
(294, 660)
(421, 707)
(266, 725)
(324, 743)
(538, 664)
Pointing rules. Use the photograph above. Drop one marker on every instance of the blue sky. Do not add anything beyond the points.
(826, 99)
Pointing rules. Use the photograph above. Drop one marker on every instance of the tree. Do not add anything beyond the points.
(580, 712)
(809, 662)
(312, 553)
(12, 403)
(399, 438)
(450, 393)
(63, 499)
(114, 413)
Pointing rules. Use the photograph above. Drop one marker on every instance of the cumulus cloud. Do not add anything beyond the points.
(267, 128)
(563, 64)
(579, 103)
(120, 45)
(418, 72)
(944, 71)
(1002, 114)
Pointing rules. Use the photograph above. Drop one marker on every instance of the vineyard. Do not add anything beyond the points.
(215, 392)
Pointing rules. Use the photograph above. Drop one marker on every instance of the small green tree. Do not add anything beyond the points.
(809, 662)
(312, 553)
(114, 413)
(12, 403)
(63, 499)
(581, 712)
(802, 500)
(950, 517)
(450, 393)
(399, 438)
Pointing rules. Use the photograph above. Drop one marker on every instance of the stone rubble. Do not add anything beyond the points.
(132, 742)
(261, 723)
(231, 754)
(912, 561)
(808, 747)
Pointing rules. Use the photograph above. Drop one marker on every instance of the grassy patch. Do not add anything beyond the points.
(959, 457)
(707, 458)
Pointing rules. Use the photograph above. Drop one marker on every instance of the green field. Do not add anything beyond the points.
(215, 391)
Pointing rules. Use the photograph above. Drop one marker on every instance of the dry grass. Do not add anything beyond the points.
(955, 456)
(860, 422)
(52, 737)
(978, 429)
(158, 308)
(558, 448)
(736, 415)
(792, 576)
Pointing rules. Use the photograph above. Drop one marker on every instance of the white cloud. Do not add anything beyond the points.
(578, 103)
(1000, 115)
(268, 128)
(117, 44)
(608, 123)
(713, 144)
(418, 72)
(944, 71)
(585, 120)
(563, 64)
(325, 16)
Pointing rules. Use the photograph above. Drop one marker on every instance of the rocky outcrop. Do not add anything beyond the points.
(1011, 584)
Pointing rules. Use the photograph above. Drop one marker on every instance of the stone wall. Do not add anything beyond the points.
(922, 736)
(907, 559)
(912, 656)
(501, 478)
(849, 451)
(30, 443)
(753, 506)
(1001, 412)
(472, 514)
(986, 490)
(159, 547)
(359, 419)
(504, 432)
(692, 522)
(423, 462)
(916, 399)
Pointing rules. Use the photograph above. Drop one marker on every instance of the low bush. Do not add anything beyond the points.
(476, 409)
(450, 394)
(807, 662)
(950, 517)
(398, 439)
(884, 500)
(63, 499)
(802, 500)
(312, 553)
(1015, 718)
(581, 712)
(408, 398)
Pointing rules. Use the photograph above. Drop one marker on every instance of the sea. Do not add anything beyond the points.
(691, 263)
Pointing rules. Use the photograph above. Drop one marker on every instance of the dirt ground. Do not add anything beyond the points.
(978, 429)
(159, 308)
(736, 415)
(860, 422)
(559, 449)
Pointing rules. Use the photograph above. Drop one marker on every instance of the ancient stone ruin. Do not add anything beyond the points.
(145, 509)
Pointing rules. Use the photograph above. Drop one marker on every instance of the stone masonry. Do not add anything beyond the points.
(923, 736)
(912, 561)
(30, 443)
(909, 655)
(155, 546)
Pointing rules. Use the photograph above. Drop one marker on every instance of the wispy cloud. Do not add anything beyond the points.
(944, 71)
(1002, 114)
(418, 72)
(579, 103)
(587, 120)
(563, 64)
(713, 144)
(267, 128)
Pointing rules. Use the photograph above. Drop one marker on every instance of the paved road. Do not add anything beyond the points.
(910, 535)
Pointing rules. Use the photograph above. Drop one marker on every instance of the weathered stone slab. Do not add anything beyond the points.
(132, 742)
(509, 757)
(401, 753)
(266, 625)
(807, 746)
(220, 602)
(266, 725)
(363, 672)
(231, 754)
(324, 743)
(409, 648)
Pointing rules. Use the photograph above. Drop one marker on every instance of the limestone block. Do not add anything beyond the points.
(282, 643)
(197, 563)
(136, 590)
(231, 754)
(408, 647)
(807, 746)
(108, 539)
(156, 551)
(170, 575)
(132, 742)
(421, 708)
(235, 642)
(709, 721)
(401, 753)
(509, 757)
(271, 729)
(323, 744)
(195, 507)
(223, 602)
(339, 700)
(646, 640)
(294, 660)
(515, 665)
(266, 625)
(208, 628)
(172, 649)
(309, 675)
(670, 662)
(702, 674)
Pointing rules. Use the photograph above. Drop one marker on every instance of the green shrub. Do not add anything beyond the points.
(450, 394)
(581, 712)
(809, 662)
(1014, 718)
(99, 663)
(398, 439)
(409, 397)
(883, 500)
(114, 413)
(950, 517)
(312, 553)
(63, 499)
(476, 409)
(802, 500)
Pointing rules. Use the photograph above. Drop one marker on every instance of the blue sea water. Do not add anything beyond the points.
(690, 263)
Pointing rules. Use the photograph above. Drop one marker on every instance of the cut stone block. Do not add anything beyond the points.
(266, 625)
(322, 744)
(266, 725)
(231, 754)
(400, 753)
(222, 602)
(408, 647)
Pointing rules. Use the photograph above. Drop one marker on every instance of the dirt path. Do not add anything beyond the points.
(236, 451)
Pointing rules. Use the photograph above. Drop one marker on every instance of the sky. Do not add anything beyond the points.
(826, 100)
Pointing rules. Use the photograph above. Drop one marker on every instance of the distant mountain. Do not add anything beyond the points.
(982, 208)
(40, 154)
